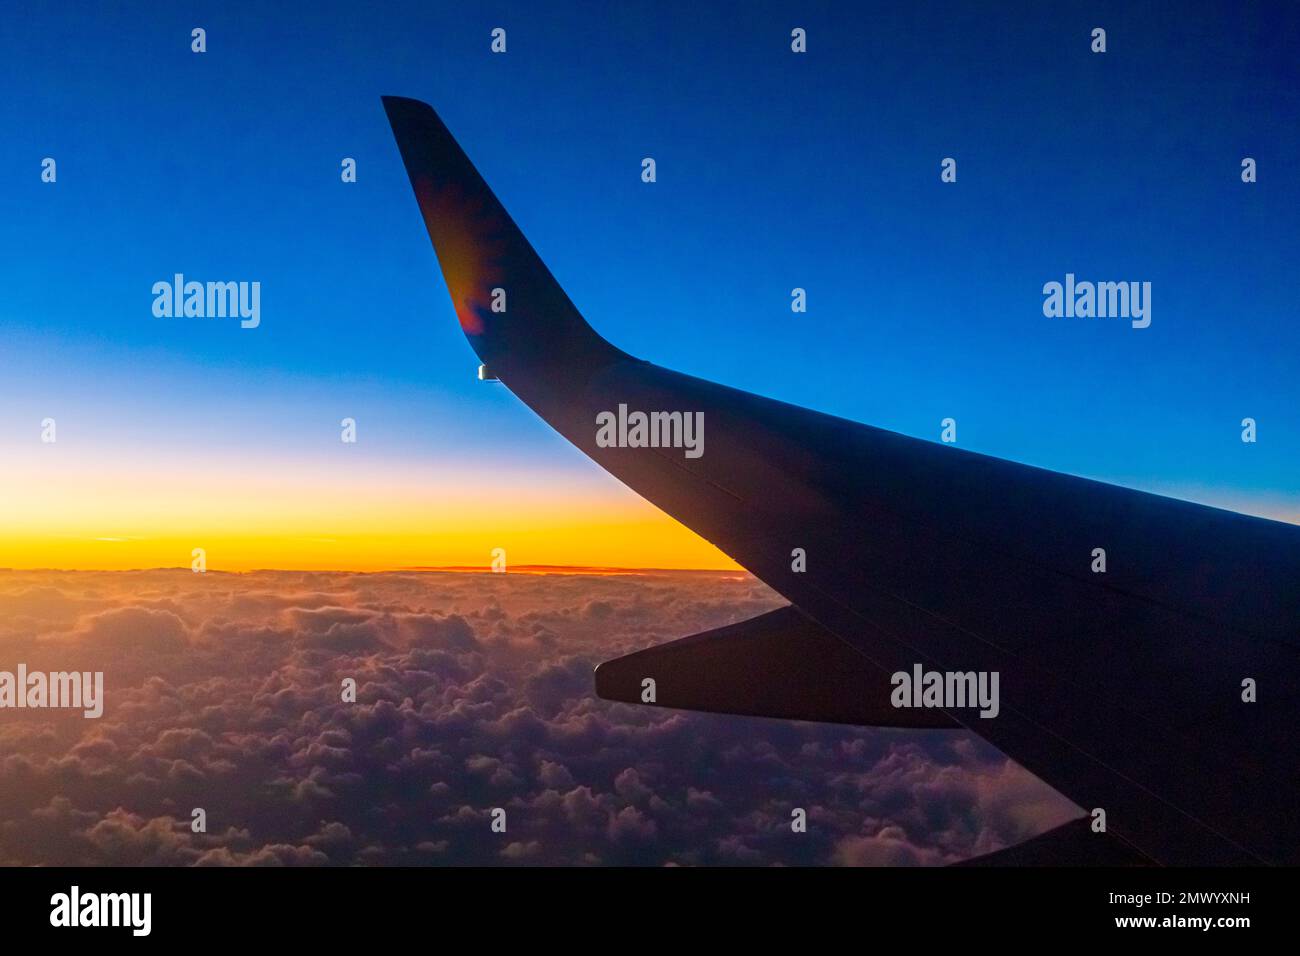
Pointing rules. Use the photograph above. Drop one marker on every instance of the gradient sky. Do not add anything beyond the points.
(774, 171)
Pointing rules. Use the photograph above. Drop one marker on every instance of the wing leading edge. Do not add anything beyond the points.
(1123, 690)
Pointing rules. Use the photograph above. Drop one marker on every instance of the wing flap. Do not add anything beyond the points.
(779, 664)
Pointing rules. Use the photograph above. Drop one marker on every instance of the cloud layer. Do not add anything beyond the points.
(474, 692)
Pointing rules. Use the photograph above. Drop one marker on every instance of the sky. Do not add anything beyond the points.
(775, 170)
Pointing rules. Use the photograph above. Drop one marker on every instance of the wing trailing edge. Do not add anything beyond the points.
(1070, 844)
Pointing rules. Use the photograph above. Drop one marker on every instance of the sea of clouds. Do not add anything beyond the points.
(474, 691)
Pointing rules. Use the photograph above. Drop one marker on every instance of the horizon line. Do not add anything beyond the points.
(569, 569)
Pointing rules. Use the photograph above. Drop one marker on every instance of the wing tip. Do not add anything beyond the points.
(392, 101)
(407, 115)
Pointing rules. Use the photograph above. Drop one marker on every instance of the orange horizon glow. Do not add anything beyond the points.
(667, 550)
(94, 513)
(625, 539)
(96, 508)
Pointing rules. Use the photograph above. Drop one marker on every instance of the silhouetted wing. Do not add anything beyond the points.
(1122, 689)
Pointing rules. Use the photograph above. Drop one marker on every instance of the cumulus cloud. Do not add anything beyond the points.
(473, 692)
(129, 629)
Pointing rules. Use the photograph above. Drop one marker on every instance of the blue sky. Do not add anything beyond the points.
(774, 171)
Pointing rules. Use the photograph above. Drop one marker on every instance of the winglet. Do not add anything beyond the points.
(516, 316)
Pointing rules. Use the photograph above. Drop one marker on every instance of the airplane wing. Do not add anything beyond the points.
(1123, 689)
